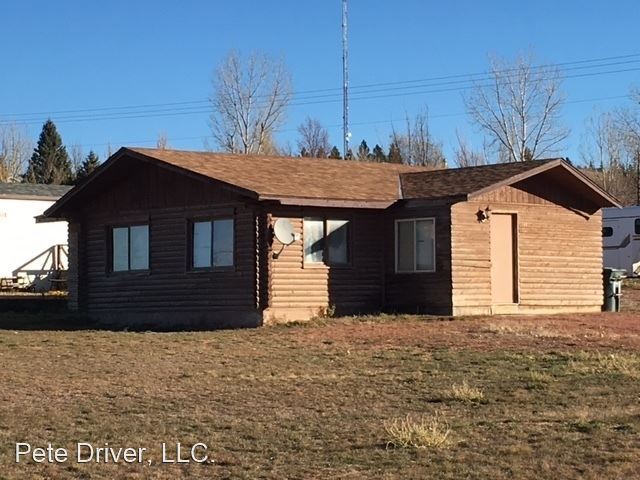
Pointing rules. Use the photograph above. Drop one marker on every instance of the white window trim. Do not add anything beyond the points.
(326, 259)
(415, 253)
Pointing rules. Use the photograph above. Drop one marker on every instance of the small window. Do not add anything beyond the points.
(326, 241)
(212, 243)
(607, 231)
(637, 226)
(415, 245)
(130, 248)
(337, 242)
(313, 232)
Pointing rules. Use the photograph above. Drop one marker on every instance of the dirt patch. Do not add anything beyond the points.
(603, 330)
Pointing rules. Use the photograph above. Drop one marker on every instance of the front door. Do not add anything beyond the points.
(503, 259)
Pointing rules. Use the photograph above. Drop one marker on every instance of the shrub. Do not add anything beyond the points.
(465, 393)
(425, 432)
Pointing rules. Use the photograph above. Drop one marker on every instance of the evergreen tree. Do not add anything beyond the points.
(49, 162)
(395, 156)
(378, 154)
(349, 155)
(363, 152)
(335, 153)
(88, 166)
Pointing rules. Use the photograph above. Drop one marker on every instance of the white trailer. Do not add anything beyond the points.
(29, 251)
(621, 238)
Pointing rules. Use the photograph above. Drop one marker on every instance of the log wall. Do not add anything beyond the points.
(299, 290)
(428, 292)
(170, 294)
(559, 255)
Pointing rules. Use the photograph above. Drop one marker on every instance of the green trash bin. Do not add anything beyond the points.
(612, 288)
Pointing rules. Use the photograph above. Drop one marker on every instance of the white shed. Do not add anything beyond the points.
(27, 246)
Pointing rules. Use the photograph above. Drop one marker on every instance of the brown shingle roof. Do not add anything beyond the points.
(278, 177)
(32, 191)
(338, 183)
(460, 182)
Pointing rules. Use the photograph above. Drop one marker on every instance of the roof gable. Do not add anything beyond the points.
(473, 182)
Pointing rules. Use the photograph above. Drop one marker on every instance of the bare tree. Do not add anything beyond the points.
(14, 152)
(519, 109)
(249, 102)
(416, 144)
(609, 148)
(466, 156)
(314, 139)
(77, 157)
(162, 143)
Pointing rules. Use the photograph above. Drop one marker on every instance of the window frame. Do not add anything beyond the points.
(326, 258)
(110, 249)
(190, 244)
(636, 226)
(397, 221)
(607, 232)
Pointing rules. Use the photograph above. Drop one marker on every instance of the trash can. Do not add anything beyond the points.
(612, 288)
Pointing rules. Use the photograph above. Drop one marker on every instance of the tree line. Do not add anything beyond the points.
(49, 163)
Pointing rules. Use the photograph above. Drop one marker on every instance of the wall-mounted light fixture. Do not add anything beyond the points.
(484, 215)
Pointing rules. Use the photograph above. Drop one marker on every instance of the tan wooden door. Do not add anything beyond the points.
(503, 259)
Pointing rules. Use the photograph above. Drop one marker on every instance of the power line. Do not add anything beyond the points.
(332, 126)
(170, 112)
(471, 77)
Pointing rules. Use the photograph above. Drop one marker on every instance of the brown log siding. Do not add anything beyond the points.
(297, 288)
(428, 292)
(559, 254)
(170, 293)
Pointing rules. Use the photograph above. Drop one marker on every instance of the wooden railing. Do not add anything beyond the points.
(46, 271)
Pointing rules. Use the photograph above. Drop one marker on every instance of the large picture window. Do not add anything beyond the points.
(326, 241)
(415, 245)
(212, 243)
(130, 248)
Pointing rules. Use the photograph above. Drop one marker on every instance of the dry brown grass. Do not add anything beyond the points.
(424, 432)
(622, 363)
(525, 329)
(464, 392)
(312, 402)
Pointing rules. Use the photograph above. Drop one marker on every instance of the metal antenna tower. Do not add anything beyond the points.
(345, 81)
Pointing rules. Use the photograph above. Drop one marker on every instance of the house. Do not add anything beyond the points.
(172, 238)
(26, 247)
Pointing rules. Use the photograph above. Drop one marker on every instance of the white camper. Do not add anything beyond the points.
(621, 238)
(29, 251)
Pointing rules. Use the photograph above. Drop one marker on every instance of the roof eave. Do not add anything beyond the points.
(41, 198)
(328, 202)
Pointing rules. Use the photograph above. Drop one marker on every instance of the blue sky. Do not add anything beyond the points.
(73, 55)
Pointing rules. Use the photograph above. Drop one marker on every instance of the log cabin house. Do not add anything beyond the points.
(185, 239)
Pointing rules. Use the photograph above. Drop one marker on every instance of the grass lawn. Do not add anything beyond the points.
(502, 397)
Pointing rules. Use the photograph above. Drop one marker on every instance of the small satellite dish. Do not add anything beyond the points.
(283, 230)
